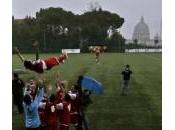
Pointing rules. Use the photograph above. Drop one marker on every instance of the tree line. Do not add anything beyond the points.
(56, 28)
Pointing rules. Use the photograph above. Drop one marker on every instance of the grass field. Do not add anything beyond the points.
(140, 110)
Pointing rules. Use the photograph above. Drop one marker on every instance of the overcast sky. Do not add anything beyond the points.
(130, 10)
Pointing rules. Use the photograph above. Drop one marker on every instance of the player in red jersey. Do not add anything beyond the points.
(75, 108)
(97, 54)
(64, 108)
(60, 91)
(51, 114)
(40, 65)
(48, 117)
(97, 50)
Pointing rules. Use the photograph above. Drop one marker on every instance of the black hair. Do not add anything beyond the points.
(52, 98)
(27, 99)
(28, 64)
(76, 87)
(87, 91)
(67, 97)
(127, 66)
(15, 75)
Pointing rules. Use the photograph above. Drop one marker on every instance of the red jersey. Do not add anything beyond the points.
(40, 66)
(42, 116)
(51, 114)
(51, 62)
(55, 61)
(97, 51)
(75, 103)
(75, 110)
(65, 114)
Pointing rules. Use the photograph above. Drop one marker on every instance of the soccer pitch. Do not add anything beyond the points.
(140, 110)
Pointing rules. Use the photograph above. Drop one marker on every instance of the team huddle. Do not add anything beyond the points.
(60, 110)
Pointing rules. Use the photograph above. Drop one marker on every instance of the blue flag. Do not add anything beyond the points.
(92, 84)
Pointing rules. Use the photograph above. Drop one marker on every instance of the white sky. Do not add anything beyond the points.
(130, 10)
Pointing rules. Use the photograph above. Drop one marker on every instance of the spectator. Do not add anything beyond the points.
(126, 73)
(17, 91)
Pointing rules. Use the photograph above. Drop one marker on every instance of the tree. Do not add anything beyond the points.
(49, 26)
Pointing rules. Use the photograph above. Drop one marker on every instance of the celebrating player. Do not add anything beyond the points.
(40, 65)
(97, 50)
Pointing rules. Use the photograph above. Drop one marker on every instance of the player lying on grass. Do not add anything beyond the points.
(40, 65)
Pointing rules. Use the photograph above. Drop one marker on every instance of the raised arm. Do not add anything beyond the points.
(36, 45)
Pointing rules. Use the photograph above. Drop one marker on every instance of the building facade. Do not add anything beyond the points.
(141, 35)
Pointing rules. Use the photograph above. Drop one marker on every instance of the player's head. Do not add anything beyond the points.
(127, 66)
(52, 98)
(76, 88)
(28, 64)
(57, 86)
(15, 76)
(27, 99)
(40, 83)
(67, 97)
(90, 48)
(86, 92)
(31, 81)
(65, 55)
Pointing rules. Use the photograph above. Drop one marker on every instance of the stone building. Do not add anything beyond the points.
(141, 32)
(141, 35)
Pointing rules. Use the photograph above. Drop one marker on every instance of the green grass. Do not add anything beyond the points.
(140, 110)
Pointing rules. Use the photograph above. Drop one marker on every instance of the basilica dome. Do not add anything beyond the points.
(141, 32)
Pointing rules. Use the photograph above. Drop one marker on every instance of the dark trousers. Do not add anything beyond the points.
(125, 87)
(79, 126)
(20, 107)
(18, 102)
(84, 121)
